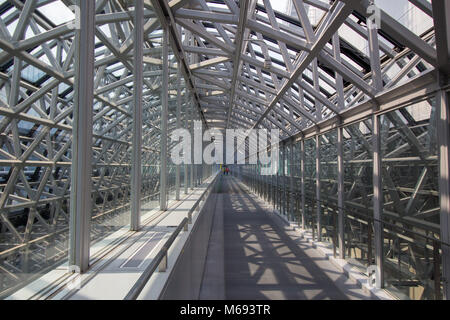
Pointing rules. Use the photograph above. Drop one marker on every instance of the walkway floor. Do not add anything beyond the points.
(261, 260)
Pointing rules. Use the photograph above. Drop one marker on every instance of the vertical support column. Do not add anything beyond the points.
(319, 205)
(136, 155)
(164, 117)
(198, 149)
(441, 17)
(194, 166)
(443, 133)
(257, 183)
(377, 82)
(377, 198)
(191, 118)
(272, 194)
(177, 168)
(341, 221)
(276, 187)
(340, 150)
(203, 166)
(186, 126)
(283, 181)
(291, 181)
(285, 185)
(267, 185)
(257, 179)
(81, 175)
(302, 180)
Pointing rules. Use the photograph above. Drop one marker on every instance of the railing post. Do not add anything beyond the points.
(163, 264)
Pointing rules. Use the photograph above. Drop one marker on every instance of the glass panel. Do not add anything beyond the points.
(411, 201)
(358, 193)
(35, 198)
(310, 184)
(172, 125)
(328, 185)
(296, 173)
(151, 134)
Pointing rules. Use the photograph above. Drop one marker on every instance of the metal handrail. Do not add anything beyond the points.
(160, 259)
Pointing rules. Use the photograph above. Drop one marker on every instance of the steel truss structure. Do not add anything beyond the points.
(365, 134)
(86, 113)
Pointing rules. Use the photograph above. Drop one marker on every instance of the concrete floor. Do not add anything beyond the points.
(252, 257)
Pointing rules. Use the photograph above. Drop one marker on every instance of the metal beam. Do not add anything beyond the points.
(400, 33)
(374, 53)
(441, 17)
(336, 17)
(241, 33)
(443, 136)
(208, 63)
(340, 171)
(378, 199)
(318, 183)
(167, 20)
(186, 126)
(291, 181)
(136, 155)
(164, 121)
(302, 182)
(81, 177)
(178, 116)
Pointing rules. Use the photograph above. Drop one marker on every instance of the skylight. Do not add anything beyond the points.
(57, 12)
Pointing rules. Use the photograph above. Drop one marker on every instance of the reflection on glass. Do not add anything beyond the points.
(411, 201)
(358, 193)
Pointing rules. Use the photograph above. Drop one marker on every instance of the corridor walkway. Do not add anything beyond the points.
(262, 259)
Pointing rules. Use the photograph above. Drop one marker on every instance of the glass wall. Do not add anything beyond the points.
(296, 176)
(174, 87)
(36, 132)
(35, 196)
(310, 184)
(151, 132)
(411, 209)
(358, 194)
(411, 246)
(328, 185)
(283, 180)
